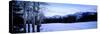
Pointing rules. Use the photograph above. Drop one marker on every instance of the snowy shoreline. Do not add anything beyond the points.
(68, 26)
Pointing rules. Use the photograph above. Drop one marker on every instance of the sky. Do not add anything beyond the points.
(53, 9)
(65, 9)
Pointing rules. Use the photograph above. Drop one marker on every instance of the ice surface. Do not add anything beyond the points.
(67, 26)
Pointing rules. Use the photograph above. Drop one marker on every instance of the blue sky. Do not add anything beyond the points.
(53, 9)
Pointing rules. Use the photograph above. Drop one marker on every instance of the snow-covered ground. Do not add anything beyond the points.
(67, 26)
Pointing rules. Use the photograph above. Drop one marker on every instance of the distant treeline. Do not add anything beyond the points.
(77, 17)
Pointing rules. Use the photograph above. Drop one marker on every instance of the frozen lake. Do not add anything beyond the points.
(68, 26)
